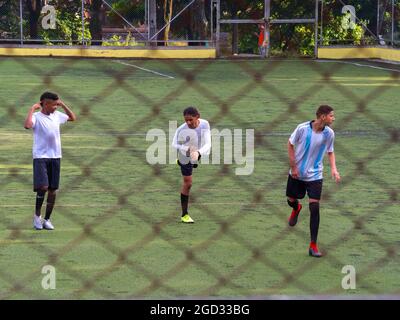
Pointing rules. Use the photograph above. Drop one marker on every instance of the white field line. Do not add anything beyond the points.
(359, 65)
(143, 69)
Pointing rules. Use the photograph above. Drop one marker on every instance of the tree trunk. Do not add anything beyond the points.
(95, 23)
(199, 23)
(34, 7)
(168, 5)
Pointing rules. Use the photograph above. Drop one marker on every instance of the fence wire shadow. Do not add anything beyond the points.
(258, 252)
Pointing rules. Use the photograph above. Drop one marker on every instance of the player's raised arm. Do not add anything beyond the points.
(206, 148)
(28, 121)
(68, 111)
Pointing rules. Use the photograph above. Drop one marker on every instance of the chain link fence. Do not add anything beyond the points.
(349, 23)
(244, 235)
(388, 22)
(107, 22)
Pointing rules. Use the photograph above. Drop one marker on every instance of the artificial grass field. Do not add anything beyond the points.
(118, 232)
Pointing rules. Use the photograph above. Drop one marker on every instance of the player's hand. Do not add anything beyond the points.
(336, 176)
(36, 106)
(60, 103)
(194, 155)
(295, 172)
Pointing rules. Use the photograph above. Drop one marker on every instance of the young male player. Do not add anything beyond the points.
(192, 140)
(306, 148)
(46, 152)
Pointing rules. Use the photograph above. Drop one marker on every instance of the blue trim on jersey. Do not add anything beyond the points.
(306, 151)
(322, 150)
(320, 155)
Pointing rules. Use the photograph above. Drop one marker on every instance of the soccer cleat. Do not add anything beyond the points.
(313, 251)
(294, 216)
(187, 219)
(48, 225)
(37, 222)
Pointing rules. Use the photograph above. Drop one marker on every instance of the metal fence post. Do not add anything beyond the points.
(322, 23)
(316, 30)
(267, 16)
(83, 22)
(377, 19)
(393, 23)
(20, 23)
(218, 26)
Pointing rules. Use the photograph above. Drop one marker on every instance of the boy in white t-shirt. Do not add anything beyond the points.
(192, 140)
(46, 152)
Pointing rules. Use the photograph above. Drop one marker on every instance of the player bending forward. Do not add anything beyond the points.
(192, 140)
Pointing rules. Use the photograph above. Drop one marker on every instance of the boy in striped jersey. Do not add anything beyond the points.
(306, 148)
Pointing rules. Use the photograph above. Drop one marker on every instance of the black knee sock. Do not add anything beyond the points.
(184, 203)
(294, 204)
(39, 202)
(314, 220)
(51, 199)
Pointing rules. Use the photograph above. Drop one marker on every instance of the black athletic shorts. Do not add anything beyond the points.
(187, 169)
(297, 188)
(46, 173)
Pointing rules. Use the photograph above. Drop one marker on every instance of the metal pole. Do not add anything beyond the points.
(218, 31)
(267, 16)
(212, 20)
(392, 23)
(147, 14)
(83, 22)
(322, 23)
(377, 20)
(316, 30)
(20, 23)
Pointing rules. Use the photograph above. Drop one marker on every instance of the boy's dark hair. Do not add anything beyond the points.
(49, 95)
(191, 111)
(324, 110)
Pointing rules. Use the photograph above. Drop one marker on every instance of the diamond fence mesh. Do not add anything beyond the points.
(107, 22)
(363, 26)
(388, 22)
(118, 234)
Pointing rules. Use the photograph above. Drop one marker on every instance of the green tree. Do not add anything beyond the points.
(9, 19)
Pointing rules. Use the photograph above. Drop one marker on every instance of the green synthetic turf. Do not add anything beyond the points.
(118, 232)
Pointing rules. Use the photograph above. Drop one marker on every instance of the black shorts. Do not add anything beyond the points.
(186, 169)
(46, 173)
(297, 188)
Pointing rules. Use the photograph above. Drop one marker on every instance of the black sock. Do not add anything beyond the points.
(184, 203)
(294, 204)
(314, 220)
(39, 202)
(51, 199)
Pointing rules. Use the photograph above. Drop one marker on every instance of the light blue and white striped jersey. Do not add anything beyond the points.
(310, 148)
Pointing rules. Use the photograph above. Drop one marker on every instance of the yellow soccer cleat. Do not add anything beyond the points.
(187, 219)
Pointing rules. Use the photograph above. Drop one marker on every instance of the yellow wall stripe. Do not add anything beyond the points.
(359, 53)
(109, 53)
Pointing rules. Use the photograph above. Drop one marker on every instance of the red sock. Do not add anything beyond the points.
(313, 245)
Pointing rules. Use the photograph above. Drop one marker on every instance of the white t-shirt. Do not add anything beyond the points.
(310, 148)
(199, 138)
(46, 134)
